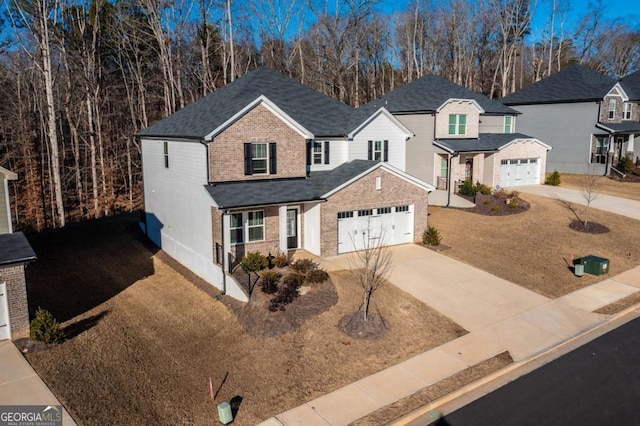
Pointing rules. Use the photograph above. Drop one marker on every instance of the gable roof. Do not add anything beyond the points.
(576, 83)
(430, 92)
(9, 175)
(623, 127)
(14, 248)
(486, 142)
(316, 187)
(319, 114)
(631, 85)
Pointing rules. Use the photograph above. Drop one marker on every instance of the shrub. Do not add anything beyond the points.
(484, 189)
(467, 189)
(269, 281)
(626, 165)
(487, 201)
(513, 204)
(495, 208)
(44, 328)
(280, 261)
(431, 236)
(317, 276)
(254, 261)
(303, 266)
(287, 292)
(553, 179)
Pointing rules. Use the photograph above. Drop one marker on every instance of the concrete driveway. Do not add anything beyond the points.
(609, 203)
(493, 310)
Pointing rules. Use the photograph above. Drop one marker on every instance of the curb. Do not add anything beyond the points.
(525, 365)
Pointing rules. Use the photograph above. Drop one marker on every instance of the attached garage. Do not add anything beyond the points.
(359, 229)
(520, 171)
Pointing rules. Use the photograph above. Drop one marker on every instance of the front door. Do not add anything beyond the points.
(468, 169)
(292, 229)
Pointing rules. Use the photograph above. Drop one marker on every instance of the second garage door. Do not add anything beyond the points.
(358, 229)
(520, 171)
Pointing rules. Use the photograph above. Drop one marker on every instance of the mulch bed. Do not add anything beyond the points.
(591, 228)
(629, 177)
(258, 321)
(355, 326)
(498, 204)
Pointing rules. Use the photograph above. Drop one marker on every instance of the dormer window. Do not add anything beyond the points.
(612, 109)
(320, 153)
(628, 109)
(457, 124)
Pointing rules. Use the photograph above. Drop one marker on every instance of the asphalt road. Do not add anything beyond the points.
(596, 384)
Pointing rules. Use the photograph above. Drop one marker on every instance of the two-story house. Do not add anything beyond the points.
(619, 122)
(461, 134)
(15, 254)
(588, 118)
(271, 165)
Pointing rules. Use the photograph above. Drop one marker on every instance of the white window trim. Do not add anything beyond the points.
(510, 117)
(313, 153)
(266, 158)
(377, 152)
(248, 227)
(612, 109)
(231, 228)
(165, 154)
(457, 124)
(627, 111)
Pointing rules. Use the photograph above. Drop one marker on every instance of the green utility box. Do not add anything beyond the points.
(594, 265)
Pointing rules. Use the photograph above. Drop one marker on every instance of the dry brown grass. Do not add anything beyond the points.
(604, 185)
(144, 354)
(534, 248)
(620, 305)
(438, 390)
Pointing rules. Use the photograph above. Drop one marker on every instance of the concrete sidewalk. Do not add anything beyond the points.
(609, 203)
(21, 385)
(500, 316)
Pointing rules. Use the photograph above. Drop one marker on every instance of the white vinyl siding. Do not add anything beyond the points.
(421, 152)
(338, 154)
(312, 228)
(380, 129)
(5, 210)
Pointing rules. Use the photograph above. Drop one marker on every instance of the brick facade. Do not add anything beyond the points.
(13, 276)
(618, 116)
(362, 194)
(226, 152)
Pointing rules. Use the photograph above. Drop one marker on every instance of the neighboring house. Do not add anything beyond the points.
(15, 253)
(460, 135)
(268, 164)
(588, 118)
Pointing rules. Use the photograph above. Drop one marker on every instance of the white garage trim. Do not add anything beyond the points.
(359, 229)
(5, 327)
(519, 171)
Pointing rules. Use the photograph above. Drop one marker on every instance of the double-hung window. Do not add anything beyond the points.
(255, 225)
(628, 109)
(237, 228)
(166, 154)
(508, 124)
(612, 109)
(259, 158)
(457, 124)
(317, 153)
(377, 150)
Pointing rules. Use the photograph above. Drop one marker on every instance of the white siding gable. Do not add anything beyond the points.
(380, 128)
(338, 154)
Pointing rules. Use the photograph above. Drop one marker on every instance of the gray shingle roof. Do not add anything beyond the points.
(277, 191)
(573, 84)
(625, 126)
(320, 114)
(14, 248)
(631, 85)
(486, 142)
(428, 94)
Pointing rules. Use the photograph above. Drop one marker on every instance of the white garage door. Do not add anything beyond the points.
(5, 332)
(520, 171)
(361, 228)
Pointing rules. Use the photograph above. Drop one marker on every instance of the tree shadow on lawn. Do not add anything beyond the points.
(85, 264)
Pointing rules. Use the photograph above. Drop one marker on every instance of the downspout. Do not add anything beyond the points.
(224, 255)
(449, 174)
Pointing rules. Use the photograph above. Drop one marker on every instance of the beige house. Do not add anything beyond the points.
(268, 164)
(462, 135)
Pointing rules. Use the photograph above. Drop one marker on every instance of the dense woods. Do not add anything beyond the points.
(80, 78)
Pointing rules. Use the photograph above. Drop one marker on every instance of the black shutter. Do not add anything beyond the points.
(386, 151)
(326, 152)
(272, 159)
(370, 156)
(248, 156)
(308, 152)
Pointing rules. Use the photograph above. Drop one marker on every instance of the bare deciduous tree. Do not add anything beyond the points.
(372, 264)
(588, 189)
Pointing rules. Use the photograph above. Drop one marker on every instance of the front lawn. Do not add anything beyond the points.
(604, 185)
(145, 341)
(534, 248)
